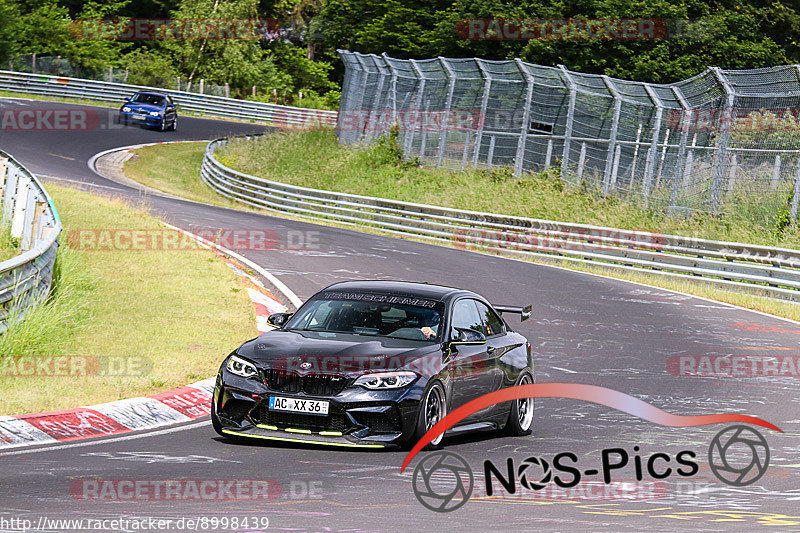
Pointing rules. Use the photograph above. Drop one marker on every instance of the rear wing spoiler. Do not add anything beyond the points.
(524, 312)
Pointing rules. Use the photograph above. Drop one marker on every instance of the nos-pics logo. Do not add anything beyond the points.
(443, 481)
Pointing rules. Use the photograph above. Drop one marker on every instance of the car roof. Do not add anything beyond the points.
(412, 288)
(151, 92)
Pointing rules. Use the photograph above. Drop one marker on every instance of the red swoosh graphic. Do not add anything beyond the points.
(588, 393)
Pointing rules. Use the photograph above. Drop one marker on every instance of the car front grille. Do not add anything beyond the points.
(333, 422)
(318, 385)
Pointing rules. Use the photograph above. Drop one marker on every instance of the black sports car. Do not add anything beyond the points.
(375, 364)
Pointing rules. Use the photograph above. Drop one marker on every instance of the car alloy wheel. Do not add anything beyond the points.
(434, 409)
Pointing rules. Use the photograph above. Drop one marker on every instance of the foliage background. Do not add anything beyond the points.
(299, 65)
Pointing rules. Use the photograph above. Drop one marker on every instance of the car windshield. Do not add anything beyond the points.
(144, 98)
(392, 317)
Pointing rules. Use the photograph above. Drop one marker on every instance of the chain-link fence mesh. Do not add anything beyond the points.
(724, 140)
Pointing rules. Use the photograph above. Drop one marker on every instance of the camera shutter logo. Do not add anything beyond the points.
(443, 481)
(738, 455)
(305, 366)
(525, 469)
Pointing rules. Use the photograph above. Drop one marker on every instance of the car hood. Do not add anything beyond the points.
(340, 353)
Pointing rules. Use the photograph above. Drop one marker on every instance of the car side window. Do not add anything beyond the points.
(465, 315)
(493, 323)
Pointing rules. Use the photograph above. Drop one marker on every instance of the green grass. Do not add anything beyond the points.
(9, 247)
(179, 311)
(311, 158)
(315, 159)
(175, 169)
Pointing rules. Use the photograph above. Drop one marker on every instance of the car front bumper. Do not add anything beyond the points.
(147, 120)
(357, 417)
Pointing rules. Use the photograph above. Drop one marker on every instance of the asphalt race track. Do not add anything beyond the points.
(585, 329)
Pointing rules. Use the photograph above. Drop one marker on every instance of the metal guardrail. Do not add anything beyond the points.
(202, 104)
(31, 217)
(774, 272)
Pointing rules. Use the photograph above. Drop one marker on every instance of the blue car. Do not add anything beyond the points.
(154, 110)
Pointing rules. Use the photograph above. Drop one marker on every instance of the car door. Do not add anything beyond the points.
(498, 344)
(467, 365)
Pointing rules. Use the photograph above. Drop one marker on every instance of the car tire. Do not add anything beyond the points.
(163, 125)
(432, 408)
(520, 417)
(174, 125)
(215, 423)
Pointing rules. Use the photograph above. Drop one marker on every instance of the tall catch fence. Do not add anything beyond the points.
(724, 140)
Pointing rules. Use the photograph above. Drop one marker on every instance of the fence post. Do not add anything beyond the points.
(227, 90)
(58, 65)
(202, 85)
(466, 152)
(652, 152)
(732, 174)
(409, 144)
(581, 162)
(686, 117)
(722, 145)
(612, 138)
(490, 155)
(448, 104)
(526, 118)
(573, 93)
(776, 172)
(392, 85)
(111, 74)
(549, 154)
(795, 195)
(612, 183)
(178, 82)
(33, 63)
(487, 87)
(361, 89)
(636, 152)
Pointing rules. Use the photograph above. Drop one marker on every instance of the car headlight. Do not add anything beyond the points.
(386, 380)
(126, 109)
(155, 113)
(240, 367)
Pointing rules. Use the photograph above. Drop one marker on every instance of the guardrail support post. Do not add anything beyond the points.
(487, 87)
(573, 94)
(451, 87)
(652, 152)
(722, 144)
(526, 118)
(20, 206)
(27, 225)
(611, 155)
(12, 174)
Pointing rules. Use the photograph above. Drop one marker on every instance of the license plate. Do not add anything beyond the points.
(298, 405)
(137, 116)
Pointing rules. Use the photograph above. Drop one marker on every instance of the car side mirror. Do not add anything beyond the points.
(277, 320)
(468, 337)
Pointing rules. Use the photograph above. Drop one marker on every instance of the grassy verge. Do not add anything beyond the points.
(175, 169)
(314, 159)
(140, 322)
(9, 247)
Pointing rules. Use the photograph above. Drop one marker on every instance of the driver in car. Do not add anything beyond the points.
(429, 323)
